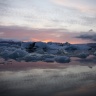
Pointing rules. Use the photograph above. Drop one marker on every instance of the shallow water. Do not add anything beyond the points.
(77, 78)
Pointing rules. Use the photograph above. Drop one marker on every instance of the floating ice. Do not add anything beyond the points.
(83, 55)
(18, 54)
(26, 44)
(95, 53)
(40, 51)
(82, 47)
(47, 56)
(41, 45)
(33, 58)
(49, 60)
(62, 59)
(5, 54)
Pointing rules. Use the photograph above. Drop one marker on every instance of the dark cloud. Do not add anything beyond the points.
(88, 36)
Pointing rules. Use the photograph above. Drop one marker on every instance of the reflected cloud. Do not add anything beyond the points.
(49, 82)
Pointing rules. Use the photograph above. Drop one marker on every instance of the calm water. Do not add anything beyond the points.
(77, 78)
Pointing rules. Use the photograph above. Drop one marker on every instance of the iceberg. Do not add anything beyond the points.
(18, 54)
(83, 55)
(41, 51)
(62, 59)
(95, 53)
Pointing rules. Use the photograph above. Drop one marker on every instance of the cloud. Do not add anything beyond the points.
(28, 34)
(45, 35)
(4, 7)
(82, 5)
(88, 35)
(46, 14)
(1, 33)
(89, 20)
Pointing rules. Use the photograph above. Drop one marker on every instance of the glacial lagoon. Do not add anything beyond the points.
(76, 78)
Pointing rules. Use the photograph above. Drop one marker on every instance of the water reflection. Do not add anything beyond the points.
(48, 79)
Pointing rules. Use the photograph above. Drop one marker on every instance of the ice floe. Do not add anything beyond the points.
(41, 51)
(62, 59)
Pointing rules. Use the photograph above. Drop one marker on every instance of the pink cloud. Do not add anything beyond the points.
(45, 35)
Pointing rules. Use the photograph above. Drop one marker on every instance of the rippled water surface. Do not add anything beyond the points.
(77, 78)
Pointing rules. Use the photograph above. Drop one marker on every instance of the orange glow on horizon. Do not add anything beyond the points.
(71, 41)
(37, 40)
(47, 41)
(40, 40)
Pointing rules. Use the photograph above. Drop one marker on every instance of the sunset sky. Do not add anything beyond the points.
(48, 20)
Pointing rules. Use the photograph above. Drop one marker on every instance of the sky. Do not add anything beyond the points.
(71, 21)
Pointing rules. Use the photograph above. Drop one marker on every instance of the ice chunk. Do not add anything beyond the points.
(18, 54)
(32, 58)
(5, 54)
(82, 47)
(49, 51)
(62, 52)
(4, 44)
(49, 60)
(95, 53)
(83, 55)
(54, 46)
(26, 44)
(47, 56)
(39, 50)
(71, 48)
(62, 59)
(41, 45)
